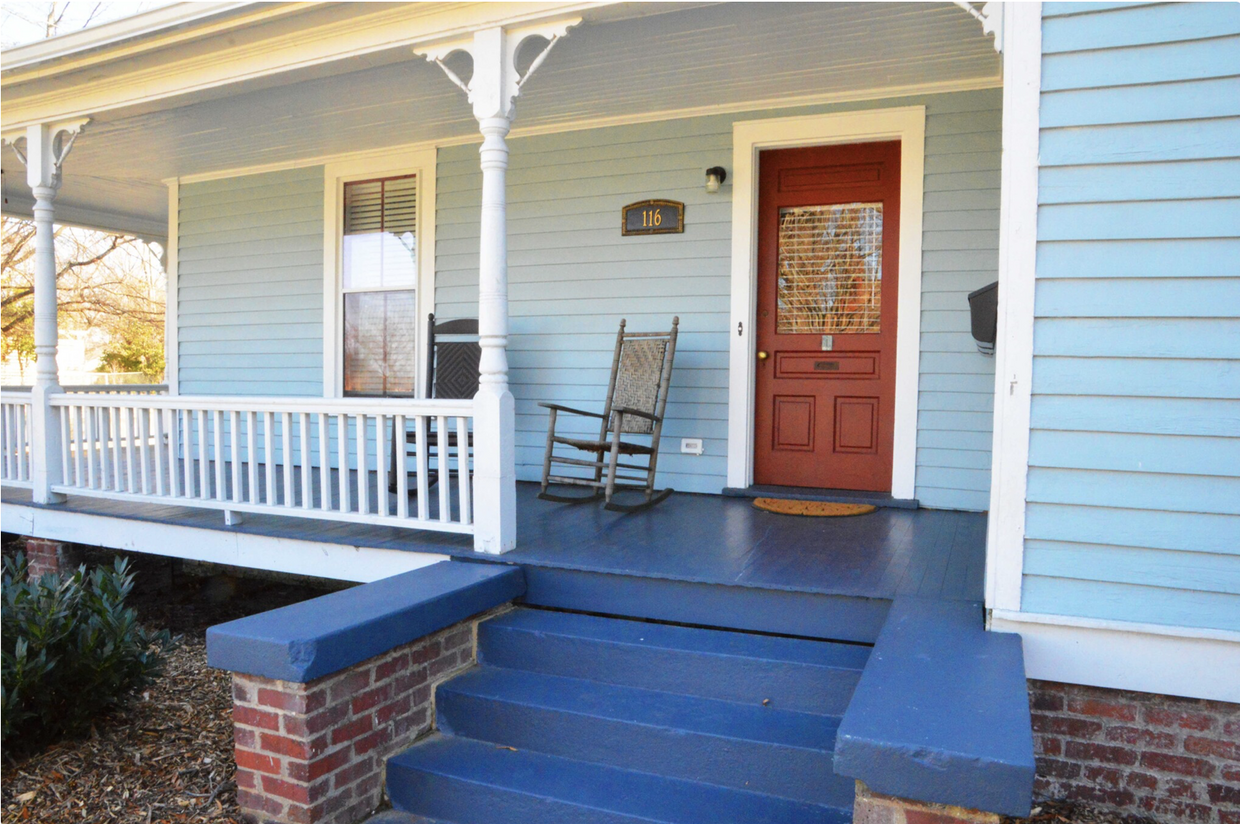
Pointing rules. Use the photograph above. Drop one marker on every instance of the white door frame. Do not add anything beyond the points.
(906, 124)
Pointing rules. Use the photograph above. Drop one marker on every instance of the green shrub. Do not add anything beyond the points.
(69, 650)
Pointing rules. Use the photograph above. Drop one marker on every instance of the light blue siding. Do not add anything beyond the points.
(1134, 478)
(572, 277)
(250, 285)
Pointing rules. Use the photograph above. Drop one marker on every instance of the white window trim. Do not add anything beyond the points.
(906, 124)
(1018, 244)
(419, 161)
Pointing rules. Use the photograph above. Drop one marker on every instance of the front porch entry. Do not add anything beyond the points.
(876, 450)
(828, 240)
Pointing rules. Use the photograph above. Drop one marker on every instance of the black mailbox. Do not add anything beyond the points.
(984, 312)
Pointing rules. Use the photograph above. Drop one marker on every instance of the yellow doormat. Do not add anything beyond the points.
(817, 509)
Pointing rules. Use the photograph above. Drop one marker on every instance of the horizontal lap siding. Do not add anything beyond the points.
(1134, 477)
(572, 277)
(250, 285)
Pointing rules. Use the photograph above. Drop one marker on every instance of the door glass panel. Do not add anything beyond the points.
(830, 269)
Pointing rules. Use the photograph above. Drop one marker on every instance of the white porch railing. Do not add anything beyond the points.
(304, 457)
(15, 439)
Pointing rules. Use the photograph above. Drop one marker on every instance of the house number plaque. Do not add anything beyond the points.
(652, 217)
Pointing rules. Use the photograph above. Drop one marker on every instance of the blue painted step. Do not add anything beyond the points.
(747, 746)
(588, 720)
(472, 782)
(811, 676)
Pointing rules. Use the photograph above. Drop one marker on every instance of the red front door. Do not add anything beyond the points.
(828, 247)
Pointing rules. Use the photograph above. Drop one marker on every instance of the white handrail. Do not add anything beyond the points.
(327, 459)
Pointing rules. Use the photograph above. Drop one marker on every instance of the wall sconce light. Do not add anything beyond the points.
(714, 176)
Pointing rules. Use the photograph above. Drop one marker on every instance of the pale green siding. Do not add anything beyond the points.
(572, 277)
(250, 285)
(1134, 459)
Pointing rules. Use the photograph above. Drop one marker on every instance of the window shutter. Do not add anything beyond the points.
(389, 205)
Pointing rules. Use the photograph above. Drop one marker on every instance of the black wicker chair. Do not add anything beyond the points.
(452, 356)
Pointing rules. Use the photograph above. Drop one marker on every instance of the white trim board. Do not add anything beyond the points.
(906, 124)
(1127, 656)
(1018, 243)
(292, 555)
(172, 307)
(420, 161)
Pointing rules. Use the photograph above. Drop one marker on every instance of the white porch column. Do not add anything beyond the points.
(45, 150)
(492, 90)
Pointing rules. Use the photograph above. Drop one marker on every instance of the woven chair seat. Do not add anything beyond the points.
(587, 445)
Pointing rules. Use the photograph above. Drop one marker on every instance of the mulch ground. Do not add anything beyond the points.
(1069, 812)
(169, 756)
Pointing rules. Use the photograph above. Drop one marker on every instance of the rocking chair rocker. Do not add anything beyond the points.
(641, 370)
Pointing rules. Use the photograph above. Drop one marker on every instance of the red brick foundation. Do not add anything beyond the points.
(870, 807)
(1176, 759)
(47, 556)
(315, 752)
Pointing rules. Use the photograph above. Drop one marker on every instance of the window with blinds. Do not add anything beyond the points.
(379, 279)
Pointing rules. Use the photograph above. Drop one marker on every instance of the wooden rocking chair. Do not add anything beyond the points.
(641, 370)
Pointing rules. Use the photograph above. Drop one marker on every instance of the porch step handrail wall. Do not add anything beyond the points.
(15, 460)
(302, 457)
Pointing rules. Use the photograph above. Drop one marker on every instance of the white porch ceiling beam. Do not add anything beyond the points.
(333, 32)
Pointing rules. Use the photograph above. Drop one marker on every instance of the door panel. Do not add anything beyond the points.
(828, 247)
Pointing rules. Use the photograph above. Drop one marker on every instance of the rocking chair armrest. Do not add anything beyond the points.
(639, 413)
(557, 407)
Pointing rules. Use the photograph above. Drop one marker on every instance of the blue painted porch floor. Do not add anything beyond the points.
(706, 539)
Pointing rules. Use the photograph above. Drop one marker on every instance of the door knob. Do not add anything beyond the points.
(762, 355)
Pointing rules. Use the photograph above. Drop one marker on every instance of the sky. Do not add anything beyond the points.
(23, 21)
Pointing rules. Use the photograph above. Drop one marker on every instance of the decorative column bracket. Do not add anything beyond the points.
(47, 146)
(990, 16)
(496, 83)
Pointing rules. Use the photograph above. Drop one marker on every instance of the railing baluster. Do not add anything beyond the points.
(325, 463)
(307, 467)
(187, 450)
(402, 474)
(91, 413)
(79, 441)
(443, 440)
(175, 486)
(342, 460)
(286, 431)
(144, 437)
(462, 469)
(130, 416)
(158, 415)
(251, 454)
(363, 474)
(8, 417)
(381, 466)
(269, 456)
(234, 423)
(423, 464)
(217, 429)
(118, 455)
(204, 460)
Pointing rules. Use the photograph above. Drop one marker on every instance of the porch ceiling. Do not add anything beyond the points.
(626, 61)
